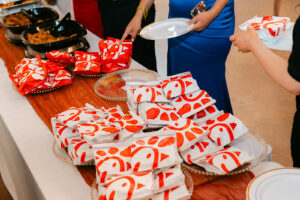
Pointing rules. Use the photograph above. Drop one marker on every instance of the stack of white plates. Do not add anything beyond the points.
(275, 184)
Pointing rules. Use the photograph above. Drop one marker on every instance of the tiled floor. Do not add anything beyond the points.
(256, 99)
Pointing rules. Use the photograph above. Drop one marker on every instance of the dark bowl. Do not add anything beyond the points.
(44, 13)
(68, 28)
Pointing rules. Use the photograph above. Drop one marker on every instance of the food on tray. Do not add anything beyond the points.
(154, 150)
(146, 93)
(225, 160)
(45, 36)
(36, 75)
(157, 113)
(80, 151)
(87, 62)
(6, 5)
(200, 149)
(189, 104)
(224, 129)
(134, 186)
(187, 132)
(18, 19)
(131, 124)
(269, 28)
(61, 57)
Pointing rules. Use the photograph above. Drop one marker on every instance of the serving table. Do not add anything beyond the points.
(28, 167)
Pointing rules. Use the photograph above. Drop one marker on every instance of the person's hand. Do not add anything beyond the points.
(132, 28)
(245, 41)
(201, 21)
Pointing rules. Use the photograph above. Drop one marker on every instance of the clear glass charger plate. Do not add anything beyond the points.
(165, 29)
(110, 86)
(250, 142)
(275, 184)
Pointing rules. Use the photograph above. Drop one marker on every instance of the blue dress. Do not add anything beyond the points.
(203, 53)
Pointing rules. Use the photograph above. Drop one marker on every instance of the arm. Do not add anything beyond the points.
(273, 64)
(134, 25)
(202, 20)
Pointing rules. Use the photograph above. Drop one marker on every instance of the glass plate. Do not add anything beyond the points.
(252, 143)
(165, 29)
(275, 184)
(110, 86)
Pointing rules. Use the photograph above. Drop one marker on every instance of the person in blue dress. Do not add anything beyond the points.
(204, 50)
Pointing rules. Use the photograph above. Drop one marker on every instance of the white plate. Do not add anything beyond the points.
(165, 29)
(276, 184)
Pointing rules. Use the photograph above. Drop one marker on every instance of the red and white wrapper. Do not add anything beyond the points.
(200, 149)
(176, 193)
(62, 133)
(168, 179)
(132, 124)
(192, 103)
(157, 113)
(55, 79)
(74, 116)
(114, 66)
(206, 114)
(149, 94)
(155, 150)
(97, 132)
(112, 159)
(61, 57)
(269, 28)
(135, 186)
(166, 79)
(179, 87)
(187, 132)
(224, 129)
(225, 160)
(113, 114)
(87, 62)
(114, 52)
(53, 66)
(80, 151)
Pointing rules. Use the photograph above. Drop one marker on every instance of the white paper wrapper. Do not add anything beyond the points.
(112, 159)
(224, 129)
(80, 151)
(97, 132)
(206, 114)
(225, 160)
(132, 124)
(178, 87)
(134, 186)
(62, 133)
(165, 79)
(157, 113)
(200, 149)
(168, 179)
(187, 132)
(177, 193)
(269, 28)
(154, 150)
(192, 103)
(149, 94)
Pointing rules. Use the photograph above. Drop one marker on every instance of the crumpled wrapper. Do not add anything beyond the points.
(60, 57)
(112, 159)
(80, 151)
(206, 114)
(225, 160)
(192, 103)
(176, 193)
(62, 132)
(198, 150)
(134, 186)
(145, 93)
(168, 179)
(187, 132)
(180, 87)
(268, 28)
(154, 150)
(224, 129)
(157, 113)
(87, 62)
